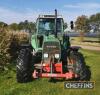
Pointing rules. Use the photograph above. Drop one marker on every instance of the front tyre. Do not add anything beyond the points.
(24, 65)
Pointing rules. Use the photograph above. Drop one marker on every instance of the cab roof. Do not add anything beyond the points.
(49, 16)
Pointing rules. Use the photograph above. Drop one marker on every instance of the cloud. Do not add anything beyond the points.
(72, 11)
(84, 5)
(10, 16)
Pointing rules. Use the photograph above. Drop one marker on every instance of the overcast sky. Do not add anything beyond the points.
(20, 10)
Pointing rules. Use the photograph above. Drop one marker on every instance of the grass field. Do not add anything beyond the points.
(9, 86)
(86, 41)
(86, 38)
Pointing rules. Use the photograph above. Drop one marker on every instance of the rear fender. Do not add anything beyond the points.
(24, 46)
(75, 48)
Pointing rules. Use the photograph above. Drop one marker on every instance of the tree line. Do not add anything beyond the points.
(25, 26)
(85, 24)
(82, 24)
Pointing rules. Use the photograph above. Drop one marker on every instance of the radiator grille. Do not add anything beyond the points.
(51, 47)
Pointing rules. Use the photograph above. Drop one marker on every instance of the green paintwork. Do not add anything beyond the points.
(50, 37)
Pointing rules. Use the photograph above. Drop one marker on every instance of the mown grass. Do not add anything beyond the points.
(9, 86)
(86, 41)
(85, 38)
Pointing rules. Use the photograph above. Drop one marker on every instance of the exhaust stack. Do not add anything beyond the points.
(55, 22)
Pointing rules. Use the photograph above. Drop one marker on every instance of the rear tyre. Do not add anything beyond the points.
(24, 65)
(79, 66)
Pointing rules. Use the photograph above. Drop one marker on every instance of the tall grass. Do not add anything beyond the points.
(5, 40)
(9, 43)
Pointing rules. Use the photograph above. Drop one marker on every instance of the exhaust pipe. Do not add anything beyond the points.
(56, 23)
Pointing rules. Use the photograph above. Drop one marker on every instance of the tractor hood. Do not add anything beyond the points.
(51, 45)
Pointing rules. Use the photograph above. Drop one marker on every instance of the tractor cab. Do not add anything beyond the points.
(49, 38)
(46, 24)
(48, 28)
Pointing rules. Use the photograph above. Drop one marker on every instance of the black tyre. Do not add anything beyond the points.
(79, 66)
(24, 66)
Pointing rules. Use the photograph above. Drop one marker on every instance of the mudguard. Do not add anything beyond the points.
(22, 46)
(75, 48)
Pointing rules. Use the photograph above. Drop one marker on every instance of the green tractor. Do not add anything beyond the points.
(49, 55)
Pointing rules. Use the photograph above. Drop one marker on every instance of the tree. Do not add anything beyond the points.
(94, 22)
(3, 26)
(82, 24)
(13, 26)
(27, 26)
(21, 26)
(32, 26)
(97, 17)
(92, 18)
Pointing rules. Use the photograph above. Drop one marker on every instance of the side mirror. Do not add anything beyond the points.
(71, 25)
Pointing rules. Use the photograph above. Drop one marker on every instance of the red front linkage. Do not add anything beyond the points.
(54, 71)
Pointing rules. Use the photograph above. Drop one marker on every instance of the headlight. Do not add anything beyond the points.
(57, 56)
(45, 55)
